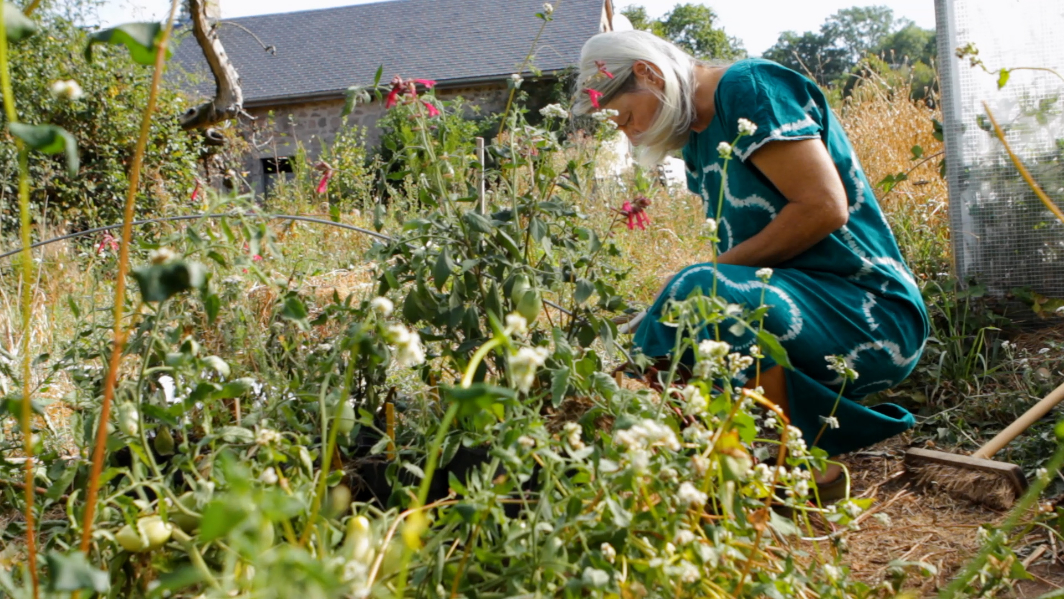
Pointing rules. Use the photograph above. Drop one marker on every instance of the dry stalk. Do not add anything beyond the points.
(120, 283)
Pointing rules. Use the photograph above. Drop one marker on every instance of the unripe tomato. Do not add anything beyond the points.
(346, 422)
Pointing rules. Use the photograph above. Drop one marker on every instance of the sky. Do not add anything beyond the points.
(758, 23)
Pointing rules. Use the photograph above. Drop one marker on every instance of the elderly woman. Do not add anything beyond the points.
(795, 201)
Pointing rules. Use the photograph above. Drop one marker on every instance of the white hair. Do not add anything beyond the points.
(618, 51)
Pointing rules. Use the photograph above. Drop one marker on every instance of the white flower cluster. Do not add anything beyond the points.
(724, 149)
(526, 441)
(382, 306)
(696, 433)
(516, 325)
(839, 365)
(269, 476)
(686, 572)
(548, 8)
(267, 436)
(573, 434)
(695, 404)
(517, 78)
(747, 127)
(764, 274)
(67, 90)
(554, 111)
(711, 226)
(605, 117)
(689, 495)
(795, 443)
(608, 552)
(831, 421)
(409, 351)
(737, 363)
(683, 537)
(711, 355)
(524, 363)
(639, 439)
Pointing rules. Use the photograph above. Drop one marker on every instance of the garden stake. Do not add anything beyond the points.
(977, 477)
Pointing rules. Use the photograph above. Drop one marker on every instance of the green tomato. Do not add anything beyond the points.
(184, 521)
(346, 422)
(530, 305)
(151, 533)
(519, 287)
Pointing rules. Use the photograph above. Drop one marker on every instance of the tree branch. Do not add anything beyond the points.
(228, 99)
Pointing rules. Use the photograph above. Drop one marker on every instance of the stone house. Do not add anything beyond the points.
(296, 67)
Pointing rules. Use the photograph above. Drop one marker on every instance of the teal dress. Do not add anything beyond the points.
(850, 294)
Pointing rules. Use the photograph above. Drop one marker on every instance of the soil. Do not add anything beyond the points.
(922, 525)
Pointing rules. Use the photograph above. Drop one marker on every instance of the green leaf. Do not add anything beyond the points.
(377, 76)
(477, 397)
(442, 271)
(236, 434)
(918, 152)
(1003, 78)
(295, 310)
(48, 139)
(478, 222)
(773, 348)
(74, 573)
(220, 517)
(584, 289)
(159, 282)
(17, 25)
(559, 384)
(211, 305)
(139, 38)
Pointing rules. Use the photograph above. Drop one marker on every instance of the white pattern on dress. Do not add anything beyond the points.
(892, 349)
(866, 307)
(796, 314)
(780, 133)
(754, 201)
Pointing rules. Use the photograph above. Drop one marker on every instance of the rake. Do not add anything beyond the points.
(977, 477)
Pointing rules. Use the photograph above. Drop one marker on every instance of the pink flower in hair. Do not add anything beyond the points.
(595, 95)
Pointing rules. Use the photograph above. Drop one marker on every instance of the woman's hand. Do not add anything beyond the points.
(803, 171)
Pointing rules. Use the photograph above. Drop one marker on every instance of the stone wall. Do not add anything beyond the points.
(278, 130)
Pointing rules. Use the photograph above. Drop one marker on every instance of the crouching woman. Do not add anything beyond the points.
(797, 222)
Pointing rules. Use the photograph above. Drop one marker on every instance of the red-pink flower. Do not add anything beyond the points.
(433, 111)
(326, 174)
(594, 94)
(636, 212)
(107, 243)
(601, 64)
(256, 258)
(195, 192)
(402, 87)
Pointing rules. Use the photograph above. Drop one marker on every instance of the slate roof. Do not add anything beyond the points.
(320, 53)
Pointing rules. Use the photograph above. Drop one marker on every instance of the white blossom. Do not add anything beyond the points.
(526, 441)
(746, 127)
(573, 432)
(711, 226)
(713, 349)
(267, 436)
(524, 363)
(382, 306)
(832, 572)
(167, 383)
(608, 552)
(764, 273)
(691, 496)
(1041, 473)
(831, 421)
(67, 90)
(516, 324)
(555, 111)
(699, 465)
(409, 351)
(695, 403)
(737, 363)
(548, 8)
(269, 476)
(683, 537)
(853, 509)
(724, 149)
(517, 78)
(688, 572)
(161, 256)
(839, 365)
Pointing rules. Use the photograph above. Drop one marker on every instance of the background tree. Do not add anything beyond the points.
(692, 27)
(811, 53)
(859, 30)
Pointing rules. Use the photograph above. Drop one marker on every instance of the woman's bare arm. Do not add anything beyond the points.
(804, 173)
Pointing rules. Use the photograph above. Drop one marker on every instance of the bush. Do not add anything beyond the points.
(105, 122)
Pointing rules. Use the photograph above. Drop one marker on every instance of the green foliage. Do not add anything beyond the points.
(692, 27)
(103, 121)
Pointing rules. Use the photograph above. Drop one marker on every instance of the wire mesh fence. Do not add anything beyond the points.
(1002, 54)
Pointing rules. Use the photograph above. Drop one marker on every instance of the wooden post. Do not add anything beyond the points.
(480, 176)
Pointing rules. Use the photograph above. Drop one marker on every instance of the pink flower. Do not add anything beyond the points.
(594, 94)
(107, 243)
(402, 86)
(635, 210)
(256, 258)
(326, 174)
(195, 192)
(601, 64)
(433, 111)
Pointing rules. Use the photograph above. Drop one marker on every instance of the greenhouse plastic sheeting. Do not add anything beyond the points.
(1003, 236)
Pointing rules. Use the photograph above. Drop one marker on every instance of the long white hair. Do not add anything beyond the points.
(617, 52)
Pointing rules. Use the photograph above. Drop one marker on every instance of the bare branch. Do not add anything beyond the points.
(228, 99)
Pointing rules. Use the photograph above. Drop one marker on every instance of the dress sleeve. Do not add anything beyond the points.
(782, 103)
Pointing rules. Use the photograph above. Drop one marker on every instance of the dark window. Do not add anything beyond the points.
(274, 170)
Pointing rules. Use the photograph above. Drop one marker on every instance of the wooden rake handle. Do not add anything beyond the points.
(1021, 424)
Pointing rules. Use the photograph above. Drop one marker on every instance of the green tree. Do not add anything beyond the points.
(811, 53)
(858, 30)
(692, 27)
(910, 44)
